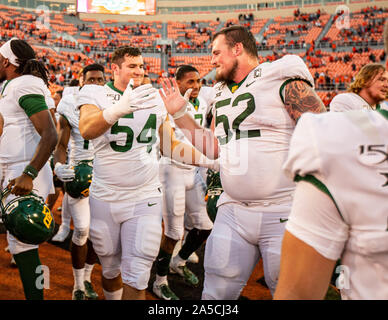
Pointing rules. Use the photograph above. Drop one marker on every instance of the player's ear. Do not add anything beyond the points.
(5, 62)
(238, 49)
(114, 67)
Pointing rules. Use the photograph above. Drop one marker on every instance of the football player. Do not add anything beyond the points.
(57, 97)
(58, 185)
(256, 108)
(124, 121)
(367, 91)
(81, 150)
(51, 107)
(64, 228)
(328, 221)
(184, 198)
(147, 79)
(29, 137)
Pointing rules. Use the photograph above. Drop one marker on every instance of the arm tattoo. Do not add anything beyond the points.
(299, 97)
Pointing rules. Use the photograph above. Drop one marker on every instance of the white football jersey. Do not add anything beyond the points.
(254, 130)
(49, 99)
(345, 154)
(348, 101)
(70, 90)
(207, 94)
(20, 98)
(125, 163)
(80, 149)
(198, 109)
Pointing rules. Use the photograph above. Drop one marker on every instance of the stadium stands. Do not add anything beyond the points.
(334, 54)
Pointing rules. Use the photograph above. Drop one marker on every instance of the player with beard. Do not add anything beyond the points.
(256, 108)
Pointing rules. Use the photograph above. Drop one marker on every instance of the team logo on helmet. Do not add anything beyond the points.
(213, 192)
(27, 218)
(79, 186)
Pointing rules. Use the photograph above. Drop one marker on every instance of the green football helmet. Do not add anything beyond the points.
(79, 186)
(213, 192)
(27, 218)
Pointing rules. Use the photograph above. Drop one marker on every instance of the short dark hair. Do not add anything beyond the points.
(93, 67)
(74, 83)
(182, 70)
(60, 92)
(239, 34)
(120, 53)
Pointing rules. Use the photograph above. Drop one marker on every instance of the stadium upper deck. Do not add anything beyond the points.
(334, 45)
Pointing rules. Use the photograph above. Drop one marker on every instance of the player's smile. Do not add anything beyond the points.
(383, 92)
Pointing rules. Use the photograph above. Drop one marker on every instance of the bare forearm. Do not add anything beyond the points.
(203, 139)
(60, 154)
(52, 112)
(187, 154)
(44, 149)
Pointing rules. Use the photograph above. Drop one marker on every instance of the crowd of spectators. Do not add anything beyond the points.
(307, 17)
(94, 43)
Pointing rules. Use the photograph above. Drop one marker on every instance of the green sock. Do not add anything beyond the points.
(27, 263)
(162, 263)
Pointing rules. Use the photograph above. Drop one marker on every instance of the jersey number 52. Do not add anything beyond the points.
(223, 119)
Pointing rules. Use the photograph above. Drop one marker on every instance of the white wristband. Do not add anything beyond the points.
(180, 113)
(111, 115)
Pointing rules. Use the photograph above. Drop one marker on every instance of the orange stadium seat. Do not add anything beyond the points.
(190, 46)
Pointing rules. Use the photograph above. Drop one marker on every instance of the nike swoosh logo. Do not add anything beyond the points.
(283, 220)
(248, 84)
(151, 204)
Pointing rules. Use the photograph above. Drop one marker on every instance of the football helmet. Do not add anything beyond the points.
(79, 186)
(51, 160)
(213, 192)
(27, 218)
